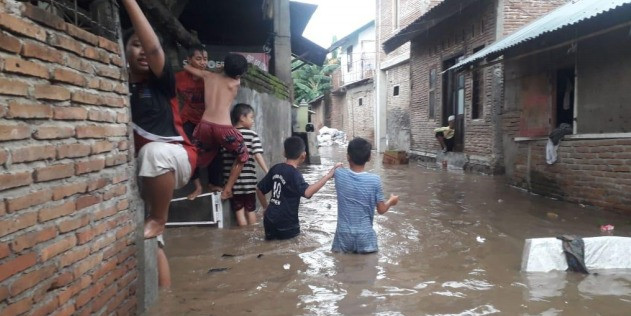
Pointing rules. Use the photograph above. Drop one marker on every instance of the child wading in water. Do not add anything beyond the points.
(215, 129)
(287, 186)
(243, 199)
(358, 194)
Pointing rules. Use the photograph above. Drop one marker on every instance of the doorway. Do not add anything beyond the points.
(454, 100)
(565, 97)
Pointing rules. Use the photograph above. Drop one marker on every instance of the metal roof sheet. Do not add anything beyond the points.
(566, 15)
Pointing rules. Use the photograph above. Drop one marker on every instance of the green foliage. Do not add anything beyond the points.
(311, 81)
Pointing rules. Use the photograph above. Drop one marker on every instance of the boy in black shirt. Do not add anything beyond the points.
(287, 186)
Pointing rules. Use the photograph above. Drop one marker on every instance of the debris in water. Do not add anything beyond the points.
(500, 201)
(607, 229)
(552, 215)
(286, 266)
(480, 239)
(227, 255)
(213, 270)
(260, 255)
(328, 206)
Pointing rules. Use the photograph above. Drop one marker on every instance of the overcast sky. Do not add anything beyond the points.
(337, 17)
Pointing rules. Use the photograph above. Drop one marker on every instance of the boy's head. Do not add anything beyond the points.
(234, 65)
(295, 148)
(451, 120)
(359, 151)
(198, 57)
(242, 114)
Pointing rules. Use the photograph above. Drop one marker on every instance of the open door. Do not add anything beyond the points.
(453, 100)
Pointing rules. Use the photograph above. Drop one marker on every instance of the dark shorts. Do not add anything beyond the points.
(211, 137)
(245, 201)
(215, 169)
(275, 233)
(449, 142)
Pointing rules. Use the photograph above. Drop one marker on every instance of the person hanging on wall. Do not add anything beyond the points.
(446, 135)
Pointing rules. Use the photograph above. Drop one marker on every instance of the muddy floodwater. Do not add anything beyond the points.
(452, 246)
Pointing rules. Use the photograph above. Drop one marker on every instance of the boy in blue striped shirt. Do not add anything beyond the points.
(358, 194)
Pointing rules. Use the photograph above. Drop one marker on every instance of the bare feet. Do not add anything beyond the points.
(214, 188)
(195, 193)
(153, 227)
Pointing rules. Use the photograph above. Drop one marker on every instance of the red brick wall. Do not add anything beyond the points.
(66, 228)
(594, 172)
(444, 42)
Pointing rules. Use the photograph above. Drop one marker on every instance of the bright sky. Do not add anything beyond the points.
(337, 17)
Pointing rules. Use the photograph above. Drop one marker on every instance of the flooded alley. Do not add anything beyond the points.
(452, 246)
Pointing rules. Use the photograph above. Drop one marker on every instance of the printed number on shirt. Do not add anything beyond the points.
(277, 189)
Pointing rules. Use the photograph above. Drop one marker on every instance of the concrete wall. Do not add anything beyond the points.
(363, 56)
(604, 78)
(69, 212)
(398, 108)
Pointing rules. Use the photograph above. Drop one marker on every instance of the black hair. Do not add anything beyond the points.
(235, 65)
(127, 34)
(359, 151)
(239, 110)
(196, 48)
(294, 147)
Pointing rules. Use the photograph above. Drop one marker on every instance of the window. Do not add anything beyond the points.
(432, 93)
(395, 14)
(349, 58)
(395, 91)
(361, 101)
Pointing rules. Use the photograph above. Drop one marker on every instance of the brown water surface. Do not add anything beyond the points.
(452, 246)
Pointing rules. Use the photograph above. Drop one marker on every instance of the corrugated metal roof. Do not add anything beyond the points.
(566, 15)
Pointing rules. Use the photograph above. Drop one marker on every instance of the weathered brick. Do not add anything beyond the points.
(4, 250)
(114, 192)
(94, 83)
(102, 116)
(115, 160)
(100, 131)
(79, 64)
(84, 97)
(116, 302)
(53, 132)
(122, 88)
(54, 172)
(3, 208)
(105, 212)
(122, 205)
(66, 294)
(69, 224)
(123, 145)
(108, 71)
(108, 45)
(31, 279)
(122, 118)
(4, 292)
(58, 247)
(87, 264)
(41, 52)
(9, 43)
(15, 265)
(98, 184)
(15, 179)
(50, 92)
(73, 150)
(101, 299)
(101, 147)
(66, 310)
(124, 230)
(96, 54)
(30, 239)
(60, 192)
(32, 153)
(90, 166)
(81, 34)
(69, 76)
(22, 26)
(13, 87)
(62, 280)
(66, 43)
(120, 178)
(44, 17)
(116, 60)
(46, 308)
(70, 113)
(106, 85)
(24, 67)
(87, 201)
(73, 256)
(114, 101)
(29, 111)
(19, 307)
(56, 211)
(28, 200)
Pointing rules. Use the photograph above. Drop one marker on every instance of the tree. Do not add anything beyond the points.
(311, 81)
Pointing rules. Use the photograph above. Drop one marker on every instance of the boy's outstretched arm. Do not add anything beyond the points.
(383, 207)
(147, 36)
(196, 72)
(262, 198)
(314, 188)
(261, 161)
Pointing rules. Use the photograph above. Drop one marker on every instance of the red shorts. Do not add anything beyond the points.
(246, 201)
(211, 137)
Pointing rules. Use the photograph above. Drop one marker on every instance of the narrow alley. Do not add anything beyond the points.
(452, 246)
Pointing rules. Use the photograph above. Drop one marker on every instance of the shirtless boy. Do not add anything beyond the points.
(215, 129)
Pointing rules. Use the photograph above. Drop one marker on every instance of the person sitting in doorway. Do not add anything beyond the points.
(445, 135)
